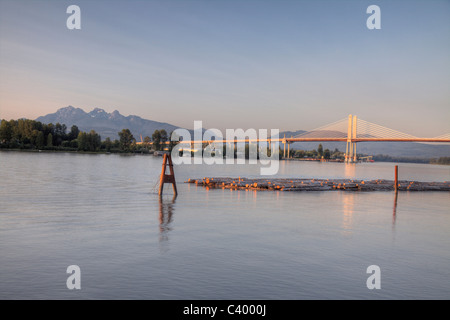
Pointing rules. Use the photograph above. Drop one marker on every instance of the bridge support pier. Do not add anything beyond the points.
(350, 150)
(349, 146)
(354, 137)
(289, 150)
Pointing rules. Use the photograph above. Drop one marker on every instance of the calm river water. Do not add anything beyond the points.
(102, 213)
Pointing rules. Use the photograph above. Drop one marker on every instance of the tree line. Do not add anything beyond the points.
(387, 158)
(30, 134)
(319, 153)
(441, 160)
(34, 135)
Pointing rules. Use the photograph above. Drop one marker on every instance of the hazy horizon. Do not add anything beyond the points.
(232, 64)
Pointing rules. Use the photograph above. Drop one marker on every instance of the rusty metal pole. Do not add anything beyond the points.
(396, 179)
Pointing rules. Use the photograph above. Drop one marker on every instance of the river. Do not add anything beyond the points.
(102, 213)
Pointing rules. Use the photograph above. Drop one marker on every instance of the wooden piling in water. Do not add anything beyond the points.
(167, 178)
(396, 179)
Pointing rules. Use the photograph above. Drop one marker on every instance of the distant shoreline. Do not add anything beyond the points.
(150, 153)
(153, 153)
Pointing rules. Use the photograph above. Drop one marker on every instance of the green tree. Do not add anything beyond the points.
(126, 139)
(108, 144)
(48, 128)
(24, 131)
(82, 141)
(40, 140)
(320, 150)
(74, 143)
(116, 144)
(327, 154)
(5, 132)
(73, 134)
(312, 154)
(34, 135)
(50, 140)
(93, 141)
(60, 133)
(299, 154)
(156, 137)
(164, 136)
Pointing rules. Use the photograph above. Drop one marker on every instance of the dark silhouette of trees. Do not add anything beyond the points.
(126, 139)
(156, 138)
(50, 140)
(320, 150)
(89, 141)
(34, 135)
(73, 134)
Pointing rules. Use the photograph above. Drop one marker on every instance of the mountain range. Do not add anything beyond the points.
(109, 124)
(104, 123)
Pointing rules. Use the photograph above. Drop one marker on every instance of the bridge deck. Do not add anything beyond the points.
(289, 140)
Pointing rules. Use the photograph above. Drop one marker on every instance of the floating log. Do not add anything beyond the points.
(279, 184)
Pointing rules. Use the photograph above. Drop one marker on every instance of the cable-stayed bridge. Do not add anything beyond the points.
(350, 130)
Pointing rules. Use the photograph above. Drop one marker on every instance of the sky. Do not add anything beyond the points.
(270, 64)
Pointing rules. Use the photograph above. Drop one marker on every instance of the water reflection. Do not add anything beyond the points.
(348, 202)
(394, 213)
(166, 210)
(350, 170)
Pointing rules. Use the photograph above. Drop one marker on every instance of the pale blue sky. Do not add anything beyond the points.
(232, 64)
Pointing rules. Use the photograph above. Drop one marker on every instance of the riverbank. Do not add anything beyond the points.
(318, 184)
(150, 152)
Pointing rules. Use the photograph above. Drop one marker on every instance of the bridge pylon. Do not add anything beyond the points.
(354, 137)
(350, 149)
